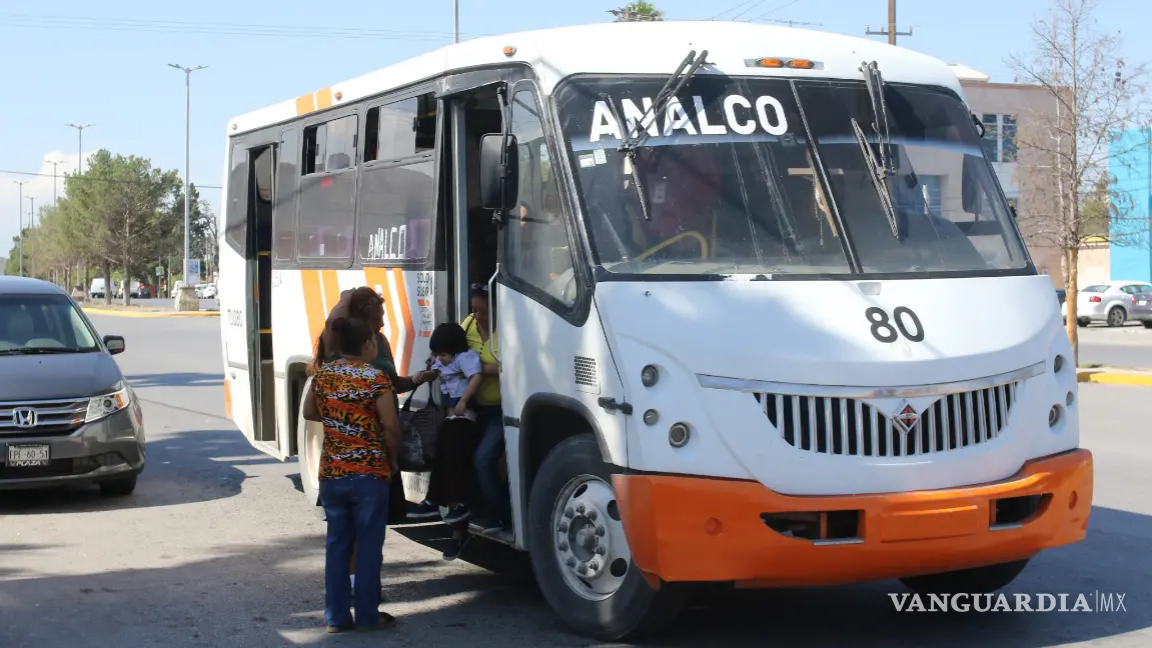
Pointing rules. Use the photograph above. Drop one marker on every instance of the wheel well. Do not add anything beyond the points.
(297, 376)
(547, 420)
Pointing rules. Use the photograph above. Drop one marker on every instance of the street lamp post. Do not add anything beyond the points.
(80, 149)
(456, 21)
(31, 223)
(187, 153)
(54, 174)
(20, 215)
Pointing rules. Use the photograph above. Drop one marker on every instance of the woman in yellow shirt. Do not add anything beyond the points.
(490, 415)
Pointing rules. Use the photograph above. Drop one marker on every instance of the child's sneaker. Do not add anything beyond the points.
(452, 551)
(425, 511)
(457, 513)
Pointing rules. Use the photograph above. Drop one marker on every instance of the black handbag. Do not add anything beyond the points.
(420, 430)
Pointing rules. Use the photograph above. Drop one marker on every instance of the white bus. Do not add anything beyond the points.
(742, 275)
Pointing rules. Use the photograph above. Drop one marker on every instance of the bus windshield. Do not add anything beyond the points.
(731, 183)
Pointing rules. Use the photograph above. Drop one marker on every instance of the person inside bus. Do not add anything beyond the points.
(354, 400)
(497, 516)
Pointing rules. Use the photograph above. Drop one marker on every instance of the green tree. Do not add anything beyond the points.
(637, 12)
(122, 203)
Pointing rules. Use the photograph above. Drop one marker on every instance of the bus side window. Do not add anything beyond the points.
(537, 250)
(236, 223)
(397, 207)
(326, 215)
(284, 209)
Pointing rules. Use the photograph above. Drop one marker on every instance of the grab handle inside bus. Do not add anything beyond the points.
(498, 180)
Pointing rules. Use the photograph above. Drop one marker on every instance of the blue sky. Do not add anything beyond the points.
(60, 68)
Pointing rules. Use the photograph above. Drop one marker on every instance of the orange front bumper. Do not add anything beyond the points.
(685, 529)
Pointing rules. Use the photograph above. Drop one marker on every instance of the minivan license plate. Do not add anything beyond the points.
(28, 455)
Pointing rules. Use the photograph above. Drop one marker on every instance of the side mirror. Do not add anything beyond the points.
(972, 193)
(114, 344)
(492, 171)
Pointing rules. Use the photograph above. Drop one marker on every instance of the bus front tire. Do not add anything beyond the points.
(979, 580)
(612, 601)
(309, 440)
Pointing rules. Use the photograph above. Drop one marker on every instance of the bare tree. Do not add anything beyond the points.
(1069, 156)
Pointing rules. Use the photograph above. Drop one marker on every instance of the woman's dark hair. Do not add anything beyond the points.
(363, 301)
(448, 338)
(354, 333)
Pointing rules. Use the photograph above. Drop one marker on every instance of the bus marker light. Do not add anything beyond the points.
(678, 435)
(801, 64)
(509, 51)
(651, 417)
(649, 376)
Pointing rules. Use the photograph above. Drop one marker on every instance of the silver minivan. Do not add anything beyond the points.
(66, 413)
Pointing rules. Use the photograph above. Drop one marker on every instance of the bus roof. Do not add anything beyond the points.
(628, 48)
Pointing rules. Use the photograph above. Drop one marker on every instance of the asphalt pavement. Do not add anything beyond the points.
(215, 548)
(1128, 347)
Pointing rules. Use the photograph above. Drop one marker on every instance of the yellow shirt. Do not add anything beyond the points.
(489, 393)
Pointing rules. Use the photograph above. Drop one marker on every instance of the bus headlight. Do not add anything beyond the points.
(1058, 364)
(102, 406)
(678, 435)
(649, 376)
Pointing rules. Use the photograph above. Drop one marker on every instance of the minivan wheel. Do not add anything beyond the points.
(1083, 322)
(118, 487)
(309, 445)
(579, 552)
(1116, 316)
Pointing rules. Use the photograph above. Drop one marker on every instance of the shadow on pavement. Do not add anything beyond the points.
(181, 468)
(186, 379)
(270, 594)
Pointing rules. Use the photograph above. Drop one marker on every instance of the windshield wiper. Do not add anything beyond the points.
(883, 169)
(639, 133)
(39, 350)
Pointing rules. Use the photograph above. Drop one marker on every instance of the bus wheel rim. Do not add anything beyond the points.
(589, 541)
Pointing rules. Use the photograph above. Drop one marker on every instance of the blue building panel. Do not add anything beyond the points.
(1131, 231)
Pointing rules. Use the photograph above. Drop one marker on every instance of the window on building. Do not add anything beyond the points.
(999, 141)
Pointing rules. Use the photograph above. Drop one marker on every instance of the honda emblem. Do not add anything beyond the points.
(24, 417)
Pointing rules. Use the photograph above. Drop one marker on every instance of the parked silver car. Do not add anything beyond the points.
(1114, 302)
(66, 413)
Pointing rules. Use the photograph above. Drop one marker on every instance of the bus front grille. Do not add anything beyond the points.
(848, 426)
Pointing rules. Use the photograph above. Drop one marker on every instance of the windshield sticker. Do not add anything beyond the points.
(600, 156)
(587, 161)
(742, 116)
(660, 192)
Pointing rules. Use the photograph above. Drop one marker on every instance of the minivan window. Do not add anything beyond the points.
(31, 323)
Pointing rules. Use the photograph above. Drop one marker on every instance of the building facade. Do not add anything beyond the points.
(1006, 109)
(1131, 165)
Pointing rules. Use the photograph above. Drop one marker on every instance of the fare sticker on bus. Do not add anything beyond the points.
(741, 116)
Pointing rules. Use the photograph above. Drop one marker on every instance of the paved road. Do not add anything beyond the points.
(214, 549)
(1129, 346)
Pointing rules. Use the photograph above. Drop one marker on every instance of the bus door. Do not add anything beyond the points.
(251, 196)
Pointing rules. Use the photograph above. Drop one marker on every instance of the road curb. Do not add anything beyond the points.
(1108, 377)
(120, 313)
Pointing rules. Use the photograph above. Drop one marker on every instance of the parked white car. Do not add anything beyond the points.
(1113, 302)
(206, 291)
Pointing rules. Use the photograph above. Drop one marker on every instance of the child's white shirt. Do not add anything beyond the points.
(455, 375)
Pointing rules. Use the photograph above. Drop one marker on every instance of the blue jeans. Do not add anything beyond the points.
(490, 419)
(357, 512)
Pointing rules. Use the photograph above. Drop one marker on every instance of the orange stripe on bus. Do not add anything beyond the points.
(313, 307)
(331, 284)
(379, 277)
(305, 104)
(228, 398)
(406, 311)
(324, 98)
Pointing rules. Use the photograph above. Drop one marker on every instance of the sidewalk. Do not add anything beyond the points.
(151, 310)
(1114, 376)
